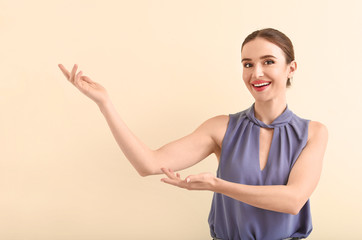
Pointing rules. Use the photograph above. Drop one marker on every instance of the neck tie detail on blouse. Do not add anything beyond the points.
(280, 121)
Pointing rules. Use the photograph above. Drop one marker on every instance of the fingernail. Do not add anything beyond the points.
(187, 180)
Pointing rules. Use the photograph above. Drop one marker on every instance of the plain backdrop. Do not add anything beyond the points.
(168, 66)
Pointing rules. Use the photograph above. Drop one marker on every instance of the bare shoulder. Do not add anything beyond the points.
(217, 120)
(317, 132)
(217, 123)
(216, 129)
(213, 126)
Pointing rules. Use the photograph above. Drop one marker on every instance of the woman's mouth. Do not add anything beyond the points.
(260, 86)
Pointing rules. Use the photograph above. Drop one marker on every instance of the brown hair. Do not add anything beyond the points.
(276, 37)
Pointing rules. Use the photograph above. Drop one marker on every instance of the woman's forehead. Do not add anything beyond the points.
(260, 47)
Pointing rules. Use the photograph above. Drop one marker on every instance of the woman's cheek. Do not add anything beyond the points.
(246, 76)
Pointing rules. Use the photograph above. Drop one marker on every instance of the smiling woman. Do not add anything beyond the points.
(266, 67)
(278, 38)
(270, 160)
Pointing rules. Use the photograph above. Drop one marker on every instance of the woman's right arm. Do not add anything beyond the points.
(176, 155)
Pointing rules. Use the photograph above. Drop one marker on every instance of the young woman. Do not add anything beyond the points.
(270, 160)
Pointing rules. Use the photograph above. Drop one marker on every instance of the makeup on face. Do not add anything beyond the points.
(260, 85)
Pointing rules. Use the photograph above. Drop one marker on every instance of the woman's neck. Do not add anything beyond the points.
(268, 111)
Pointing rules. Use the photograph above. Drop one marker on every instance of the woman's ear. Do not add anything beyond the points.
(292, 68)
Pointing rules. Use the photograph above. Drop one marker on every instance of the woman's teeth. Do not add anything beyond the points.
(261, 84)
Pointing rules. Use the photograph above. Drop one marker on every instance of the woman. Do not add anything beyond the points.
(270, 160)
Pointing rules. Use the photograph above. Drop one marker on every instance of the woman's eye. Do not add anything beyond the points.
(268, 62)
(248, 65)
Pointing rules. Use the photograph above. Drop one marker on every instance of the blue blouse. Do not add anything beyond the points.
(231, 219)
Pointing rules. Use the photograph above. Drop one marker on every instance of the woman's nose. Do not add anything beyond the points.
(258, 71)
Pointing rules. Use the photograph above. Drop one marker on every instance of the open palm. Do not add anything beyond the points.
(91, 89)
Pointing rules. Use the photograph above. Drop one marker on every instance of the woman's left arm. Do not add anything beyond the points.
(289, 198)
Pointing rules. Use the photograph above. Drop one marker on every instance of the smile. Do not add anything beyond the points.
(260, 86)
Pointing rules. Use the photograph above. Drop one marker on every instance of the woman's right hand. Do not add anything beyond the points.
(91, 89)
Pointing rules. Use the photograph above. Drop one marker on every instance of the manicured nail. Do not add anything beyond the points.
(188, 180)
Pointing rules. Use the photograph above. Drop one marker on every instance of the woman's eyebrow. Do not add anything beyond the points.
(262, 57)
(267, 56)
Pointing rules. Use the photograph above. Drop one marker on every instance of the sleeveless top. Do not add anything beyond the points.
(231, 219)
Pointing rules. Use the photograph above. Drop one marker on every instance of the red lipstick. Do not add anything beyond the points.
(260, 85)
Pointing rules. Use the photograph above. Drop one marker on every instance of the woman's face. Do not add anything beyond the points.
(265, 71)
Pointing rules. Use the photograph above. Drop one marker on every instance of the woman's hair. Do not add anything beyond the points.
(276, 37)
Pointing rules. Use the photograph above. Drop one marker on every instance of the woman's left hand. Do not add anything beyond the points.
(202, 181)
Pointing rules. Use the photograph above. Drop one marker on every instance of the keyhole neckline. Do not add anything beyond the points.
(280, 121)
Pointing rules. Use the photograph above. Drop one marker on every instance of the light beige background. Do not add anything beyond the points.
(169, 66)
